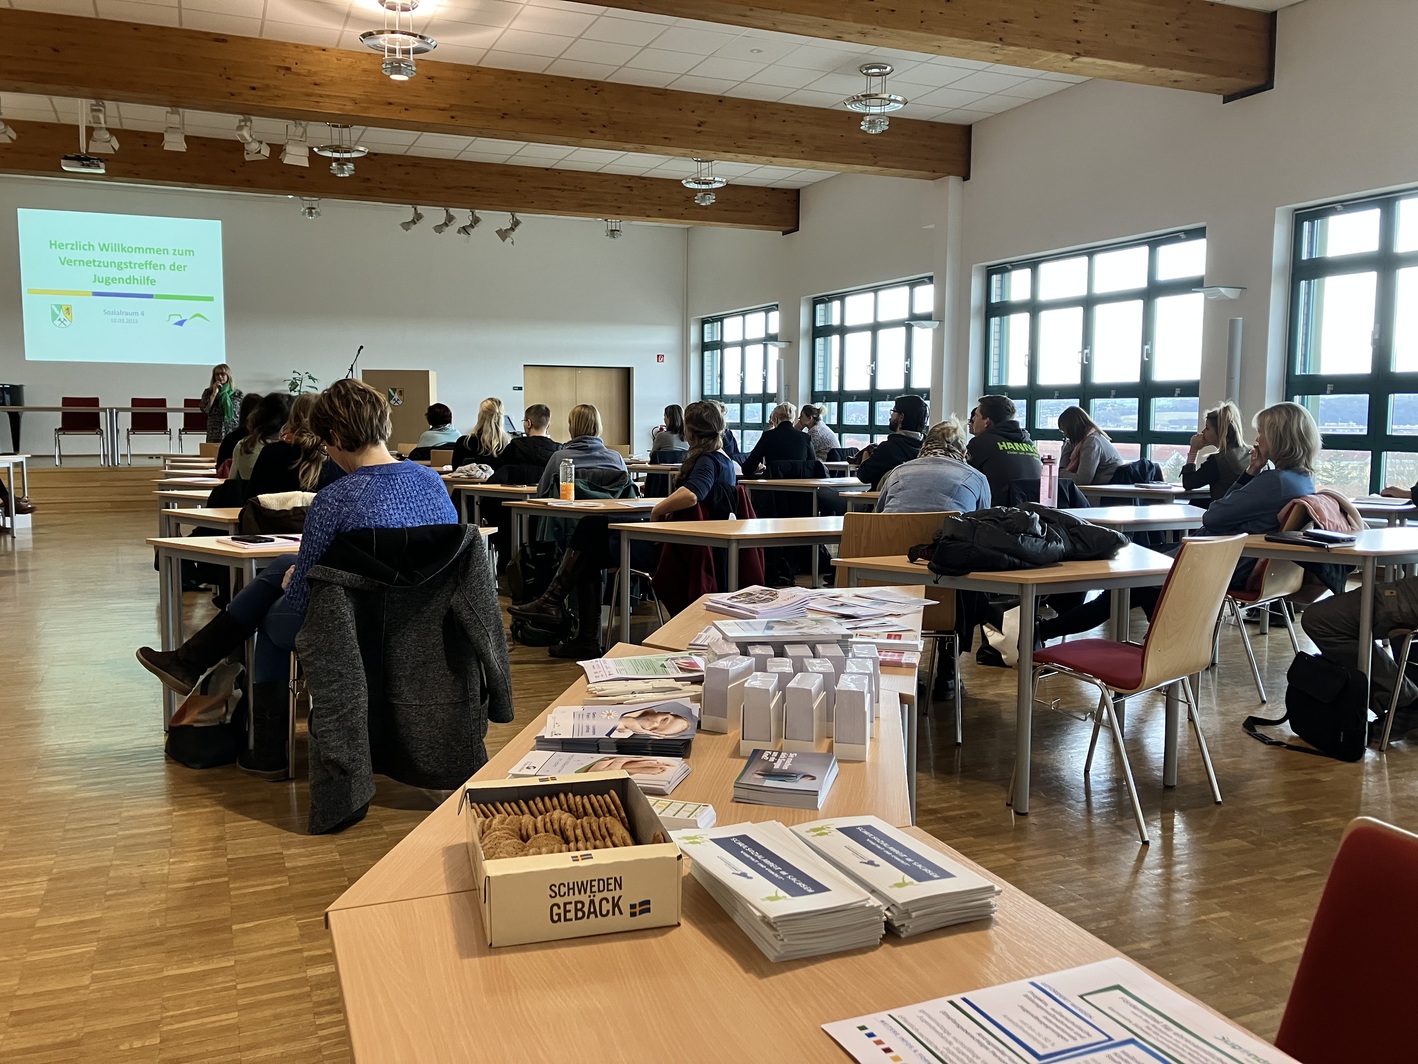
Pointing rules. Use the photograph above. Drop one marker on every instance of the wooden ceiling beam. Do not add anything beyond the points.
(1180, 44)
(62, 55)
(212, 163)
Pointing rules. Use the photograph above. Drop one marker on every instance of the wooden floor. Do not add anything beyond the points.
(153, 913)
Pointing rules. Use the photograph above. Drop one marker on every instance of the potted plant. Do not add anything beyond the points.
(299, 382)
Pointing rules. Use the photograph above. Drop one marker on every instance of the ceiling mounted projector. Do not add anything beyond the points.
(82, 163)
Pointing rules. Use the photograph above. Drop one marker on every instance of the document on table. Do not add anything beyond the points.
(1111, 1012)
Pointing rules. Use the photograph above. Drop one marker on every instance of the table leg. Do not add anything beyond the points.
(1119, 625)
(813, 547)
(1368, 571)
(733, 564)
(910, 722)
(624, 605)
(170, 612)
(24, 473)
(1169, 742)
(477, 510)
(517, 518)
(1024, 700)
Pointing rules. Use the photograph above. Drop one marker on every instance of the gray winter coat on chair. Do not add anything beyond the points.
(406, 660)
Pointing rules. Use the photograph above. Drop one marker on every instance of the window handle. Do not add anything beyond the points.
(1147, 352)
(1083, 356)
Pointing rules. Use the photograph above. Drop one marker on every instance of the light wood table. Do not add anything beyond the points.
(179, 480)
(433, 859)
(861, 500)
(1133, 566)
(731, 535)
(177, 498)
(1392, 511)
(803, 485)
(1163, 517)
(1372, 547)
(1142, 492)
(620, 509)
(227, 518)
(478, 491)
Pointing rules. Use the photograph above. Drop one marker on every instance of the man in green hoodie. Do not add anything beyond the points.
(1000, 447)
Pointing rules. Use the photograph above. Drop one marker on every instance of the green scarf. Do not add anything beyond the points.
(224, 406)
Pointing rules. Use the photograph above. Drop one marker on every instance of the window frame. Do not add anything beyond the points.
(1380, 381)
(834, 400)
(1146, 390)
(711, 354)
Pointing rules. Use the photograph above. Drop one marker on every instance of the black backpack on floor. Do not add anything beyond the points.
(1327, 705)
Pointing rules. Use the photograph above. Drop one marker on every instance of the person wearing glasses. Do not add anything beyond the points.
(535, 446)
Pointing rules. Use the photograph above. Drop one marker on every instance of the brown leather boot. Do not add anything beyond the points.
(549, 610)
(180, 669)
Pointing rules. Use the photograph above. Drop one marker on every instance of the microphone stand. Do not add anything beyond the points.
(351, 373)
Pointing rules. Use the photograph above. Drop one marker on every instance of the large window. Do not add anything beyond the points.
(741, 368)
(1353, 360)
(866, 351)
(1116, 330)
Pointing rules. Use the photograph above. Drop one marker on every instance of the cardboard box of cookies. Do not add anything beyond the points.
(569, 856)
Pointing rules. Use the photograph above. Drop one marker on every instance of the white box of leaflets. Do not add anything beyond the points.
(583, 891)
(721, 705)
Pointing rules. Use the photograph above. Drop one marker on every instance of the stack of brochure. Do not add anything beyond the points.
(787, 899)
(776, 632)
(661, 729)
(921, 887)
(685, 668)
(786, 777)
(653, 775)
(761, 603)
(677, 815)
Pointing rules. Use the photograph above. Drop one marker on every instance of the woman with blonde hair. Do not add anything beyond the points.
(824, 440)
(221, 402)
(488, 439)
(1281, 468)
(1089, 457)
(939, 479)
(781, 443)
(1222, 430)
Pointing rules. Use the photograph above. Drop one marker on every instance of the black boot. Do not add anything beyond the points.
(549, 611)
(180, 669)
(270, 722)
(587, 643)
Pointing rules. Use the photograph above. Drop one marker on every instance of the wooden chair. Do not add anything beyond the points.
(147, 423)
(1357, 965)
(871, 535)
(1178, 645)
(81, 423)
(440, 458)
(1272, 582)
(407, 449)
(194, 423)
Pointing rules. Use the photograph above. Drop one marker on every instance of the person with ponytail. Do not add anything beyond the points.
(297, 461)
(221, 402)
(706, 477)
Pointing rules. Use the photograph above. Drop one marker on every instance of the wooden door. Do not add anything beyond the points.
(607, 388)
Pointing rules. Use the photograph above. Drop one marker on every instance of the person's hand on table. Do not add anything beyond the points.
(1393, 491)
(657, 514)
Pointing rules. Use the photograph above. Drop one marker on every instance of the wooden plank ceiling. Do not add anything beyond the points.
(1188, 44)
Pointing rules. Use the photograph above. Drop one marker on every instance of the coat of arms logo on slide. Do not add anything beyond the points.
(61, 315)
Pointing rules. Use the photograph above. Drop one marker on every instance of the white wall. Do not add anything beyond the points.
(1101, 161)
(306, 293)
(853, 231)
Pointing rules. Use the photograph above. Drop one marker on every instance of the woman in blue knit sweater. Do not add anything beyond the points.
(378, 491)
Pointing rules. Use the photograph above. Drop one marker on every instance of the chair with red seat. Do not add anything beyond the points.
(1355, 979)
(1178, 645)
(148, 423)
(194, 422)
(81, 423)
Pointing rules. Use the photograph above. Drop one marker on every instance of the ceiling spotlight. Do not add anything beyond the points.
(875, 103)
(505, 235)
(397, 42)
(309, 207)
(80, 162)
(704, 182)
(253, 148)
(613, 228)
(418, 217)
(296, 150)
(447, 223)
(101, 140)
(473, 222)
(174, 137)
(342, 150)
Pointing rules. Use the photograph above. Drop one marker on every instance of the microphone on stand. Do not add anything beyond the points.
(351, 373)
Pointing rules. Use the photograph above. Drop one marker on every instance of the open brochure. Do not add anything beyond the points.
(687, 667)
(761, 602)
(1111, 1012)
(658, 728)
(653, 775)
(785, 630)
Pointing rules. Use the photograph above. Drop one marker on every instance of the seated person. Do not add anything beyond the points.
(249, 402)
(731, 443)
(262, 427)
(706, 478)
(908, 426)
(440, 431)
(297, 460)
(781, 443)
(1222, 430)
(22, 505)
(1088, 457)
(488, 439)
(671, 436)
(534, 447)
(1289, 441)
(378, 491)
(1333, 623)
(1000, 447)
(824, 440)
(939, 479)
(589, 551)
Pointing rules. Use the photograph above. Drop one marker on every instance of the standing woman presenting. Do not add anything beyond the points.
(221, 402)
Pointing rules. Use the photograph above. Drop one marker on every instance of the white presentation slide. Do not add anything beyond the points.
(121, 288)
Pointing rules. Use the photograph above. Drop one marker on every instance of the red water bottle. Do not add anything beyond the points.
(1049, 481)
